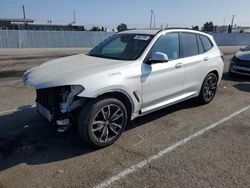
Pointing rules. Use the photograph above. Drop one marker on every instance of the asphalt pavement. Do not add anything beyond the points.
(185, 145)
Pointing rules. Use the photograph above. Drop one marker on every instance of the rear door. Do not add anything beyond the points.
(195, 62)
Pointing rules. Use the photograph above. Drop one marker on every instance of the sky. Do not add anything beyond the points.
(134, 13)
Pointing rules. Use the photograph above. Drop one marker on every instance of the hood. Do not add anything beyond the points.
(69, 70)
(243, 55)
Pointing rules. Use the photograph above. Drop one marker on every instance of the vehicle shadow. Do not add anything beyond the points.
(26, 137)
(236, 78)
(243, 87)
(191, 103)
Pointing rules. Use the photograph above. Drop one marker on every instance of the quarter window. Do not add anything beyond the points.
(189, 44)
(206, 43)
(200, 46)
(168, 44)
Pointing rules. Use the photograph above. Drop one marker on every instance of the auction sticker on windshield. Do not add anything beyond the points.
(141, 37)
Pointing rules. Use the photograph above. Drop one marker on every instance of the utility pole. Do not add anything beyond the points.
(151, 18)
(232, 23)
(223, 26)
(154, 20)
(74, 16)
(24, 17)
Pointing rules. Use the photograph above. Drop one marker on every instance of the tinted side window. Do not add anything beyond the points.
(189, 44)
(200, 46)
(168, 44)
(206, 43)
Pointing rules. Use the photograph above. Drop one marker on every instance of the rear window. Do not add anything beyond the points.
(207, 44)
(189, 44)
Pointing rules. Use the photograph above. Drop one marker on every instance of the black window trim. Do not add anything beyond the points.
(199, 39)
(197, 35)
(181, 45)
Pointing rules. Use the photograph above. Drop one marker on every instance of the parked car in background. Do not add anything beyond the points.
(240, 63)
(130, 74)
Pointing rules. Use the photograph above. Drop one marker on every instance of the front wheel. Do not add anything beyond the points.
(102, 121)
(208, 88)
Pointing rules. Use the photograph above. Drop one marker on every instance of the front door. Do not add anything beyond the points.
(163, 81)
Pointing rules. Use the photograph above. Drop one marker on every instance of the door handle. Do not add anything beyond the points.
(206, 59)
(178, 65)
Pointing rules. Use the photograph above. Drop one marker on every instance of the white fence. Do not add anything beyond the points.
(64, 39)
(232, 39)
(50, 39)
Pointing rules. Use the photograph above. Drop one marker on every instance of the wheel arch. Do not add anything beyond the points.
(211, 71)
(216, 73)
(121, 95)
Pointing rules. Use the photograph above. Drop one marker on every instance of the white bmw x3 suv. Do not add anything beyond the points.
(130, 74)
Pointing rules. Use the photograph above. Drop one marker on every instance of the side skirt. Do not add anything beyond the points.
(167, 103)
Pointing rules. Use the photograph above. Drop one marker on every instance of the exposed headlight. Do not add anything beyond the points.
(26, 77)
(66, 104)
(77, 89)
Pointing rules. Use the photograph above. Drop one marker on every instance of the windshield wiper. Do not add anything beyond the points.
(107, 57)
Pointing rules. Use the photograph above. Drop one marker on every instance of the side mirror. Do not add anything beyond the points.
(158, 57)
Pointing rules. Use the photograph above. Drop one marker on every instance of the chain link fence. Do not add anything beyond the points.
(50, 39)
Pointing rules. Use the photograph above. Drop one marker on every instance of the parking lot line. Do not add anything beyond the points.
(15, 109)
(164, 151)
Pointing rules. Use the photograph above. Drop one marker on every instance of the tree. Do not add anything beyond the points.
(102, 29)
(208, 27)
(229, 29)
(195, 27)
(95, 28)
(241, 30)
(122, 27)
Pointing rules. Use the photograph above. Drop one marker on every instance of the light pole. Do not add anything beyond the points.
(151, 18)
(232, 23)
(24, 17)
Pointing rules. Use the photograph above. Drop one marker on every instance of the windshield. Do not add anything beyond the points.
(122, 46)
(247, 48)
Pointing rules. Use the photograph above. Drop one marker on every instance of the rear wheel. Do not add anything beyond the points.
(102, 121)
(208, 88)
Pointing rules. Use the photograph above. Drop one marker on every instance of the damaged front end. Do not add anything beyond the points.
(58, 104)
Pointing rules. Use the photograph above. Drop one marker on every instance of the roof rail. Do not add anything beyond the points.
(164, 29)
(158, 29)
(169, 28)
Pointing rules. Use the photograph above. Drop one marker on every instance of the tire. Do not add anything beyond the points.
(208, 89)
(96, 129)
